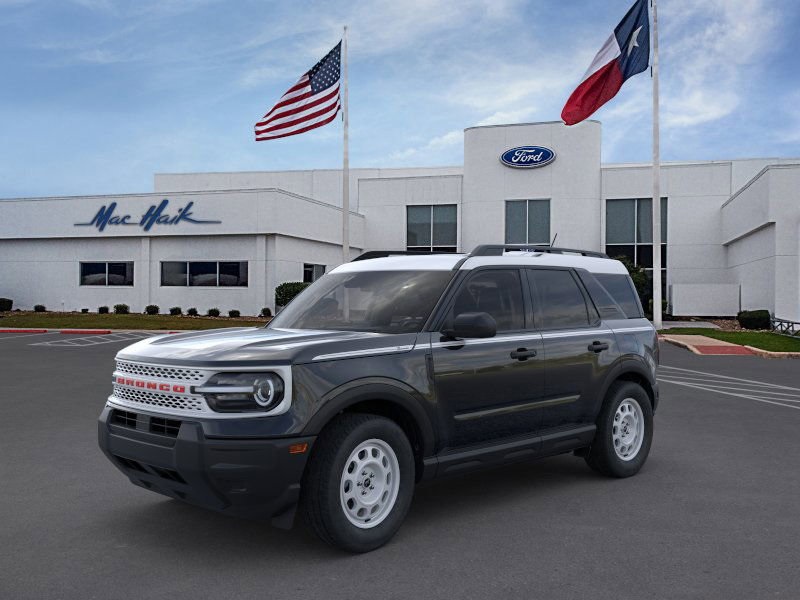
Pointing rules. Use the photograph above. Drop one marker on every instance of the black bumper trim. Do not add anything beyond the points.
(253, 478)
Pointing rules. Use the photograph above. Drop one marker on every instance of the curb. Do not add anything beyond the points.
(86, 331)
(683, 345)
(23, 330)
(771, 354)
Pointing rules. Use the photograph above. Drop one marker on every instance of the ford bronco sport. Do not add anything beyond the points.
(387, 371)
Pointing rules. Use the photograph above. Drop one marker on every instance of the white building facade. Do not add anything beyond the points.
(730, 229)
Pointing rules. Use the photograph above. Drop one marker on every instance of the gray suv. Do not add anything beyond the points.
(389, 370)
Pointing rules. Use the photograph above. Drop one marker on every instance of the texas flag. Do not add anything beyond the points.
(625, 53)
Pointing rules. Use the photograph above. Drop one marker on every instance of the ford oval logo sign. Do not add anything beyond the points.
(527, 157)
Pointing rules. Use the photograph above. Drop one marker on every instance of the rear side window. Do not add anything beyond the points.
(621, 289)
(560, 301)
(605, 304)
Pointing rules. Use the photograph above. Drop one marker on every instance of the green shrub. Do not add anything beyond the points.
(151, 309)
(234, 314)
(39, 308)
(266, 312)
(175, 310)
(102, 310)
(754, 319)
(213, 312)
(285, 292)
(121, 309)
(6, 304)
(192, 312)
(84, 310)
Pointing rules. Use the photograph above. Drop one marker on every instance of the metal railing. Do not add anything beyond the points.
(784, 327)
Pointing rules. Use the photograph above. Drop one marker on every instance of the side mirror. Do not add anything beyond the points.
(472, 325)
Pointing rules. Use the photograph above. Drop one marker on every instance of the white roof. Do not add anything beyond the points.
(446, 262)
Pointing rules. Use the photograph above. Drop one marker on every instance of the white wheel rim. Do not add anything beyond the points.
(627, 432)
(370, 483)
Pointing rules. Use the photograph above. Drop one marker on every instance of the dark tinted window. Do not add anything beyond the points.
(120, 273)
(622, 291)
(93, 273)
(605, 304)
(203, 273)
(173, 273)
(233, 274)
(498, 293)
(560, 300)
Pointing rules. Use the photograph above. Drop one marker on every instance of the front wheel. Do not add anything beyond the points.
(358, 485)
(624, 431)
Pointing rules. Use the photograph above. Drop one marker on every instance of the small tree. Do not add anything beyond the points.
(213, 312)
(285, 292)
(234, 314)
(175, 310)
(641, 280)
(39, 308)
(151, 309)
(192, 312)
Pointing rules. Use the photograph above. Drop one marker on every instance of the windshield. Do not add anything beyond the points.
(377, 301)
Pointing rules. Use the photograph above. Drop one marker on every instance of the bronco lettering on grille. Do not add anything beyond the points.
(150, 385)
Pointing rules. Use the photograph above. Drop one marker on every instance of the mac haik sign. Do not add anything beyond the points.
(155, 216)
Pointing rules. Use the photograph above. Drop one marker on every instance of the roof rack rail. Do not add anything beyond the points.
(384, 253)
(499, 249)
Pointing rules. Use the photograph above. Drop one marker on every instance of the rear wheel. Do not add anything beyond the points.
(359, 482)
(624, 431)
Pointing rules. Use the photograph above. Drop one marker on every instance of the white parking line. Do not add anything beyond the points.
(19, 335)
(94, 340)
(760, 391)
(717, 376)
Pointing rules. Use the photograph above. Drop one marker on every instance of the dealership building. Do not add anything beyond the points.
(730, 228)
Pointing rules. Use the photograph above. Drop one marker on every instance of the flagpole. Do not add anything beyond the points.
(656, 204)
(345, 159)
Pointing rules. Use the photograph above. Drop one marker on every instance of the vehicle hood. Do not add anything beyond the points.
(254, 345)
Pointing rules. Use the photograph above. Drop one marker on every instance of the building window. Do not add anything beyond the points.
(312, 272)
(432, 228)
(528, 222)
(107, 273)
(629, 232)
(204, 273)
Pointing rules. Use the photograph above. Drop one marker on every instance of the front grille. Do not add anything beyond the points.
(170, 401)
(161, 426)
(156, 372)
(124, 418)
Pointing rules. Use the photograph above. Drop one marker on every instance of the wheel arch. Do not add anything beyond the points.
(635, 372)
(387, 398)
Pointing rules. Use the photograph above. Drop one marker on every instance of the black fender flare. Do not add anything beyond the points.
(637, 366)
(388, 390)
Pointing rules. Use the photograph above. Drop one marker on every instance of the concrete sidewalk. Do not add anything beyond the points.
(700, 344)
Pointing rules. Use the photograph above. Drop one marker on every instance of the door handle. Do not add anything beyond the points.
(598, 346)
(523, 353)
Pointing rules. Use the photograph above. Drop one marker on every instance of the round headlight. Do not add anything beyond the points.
(242, 392)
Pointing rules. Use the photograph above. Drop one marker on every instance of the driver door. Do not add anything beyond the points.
(483, 391)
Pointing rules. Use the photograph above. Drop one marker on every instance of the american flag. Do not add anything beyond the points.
(310, 103)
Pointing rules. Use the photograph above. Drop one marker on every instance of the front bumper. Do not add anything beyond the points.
(254, 477)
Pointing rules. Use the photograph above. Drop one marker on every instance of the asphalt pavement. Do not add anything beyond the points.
(713, 514)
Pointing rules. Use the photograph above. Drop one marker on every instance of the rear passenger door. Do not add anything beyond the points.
(489, 388)
(577, 348)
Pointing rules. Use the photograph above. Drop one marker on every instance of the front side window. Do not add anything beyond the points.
(528, 222)
(106, 273)
(376, 301)
(432, 228)
(498, 293)
(204, 273)
(560, 302)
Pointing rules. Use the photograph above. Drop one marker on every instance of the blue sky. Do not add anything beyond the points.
(97, 95)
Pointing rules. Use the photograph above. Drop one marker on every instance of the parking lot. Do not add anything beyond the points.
(713, 514)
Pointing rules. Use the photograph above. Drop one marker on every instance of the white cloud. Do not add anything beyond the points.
(451, 139)
(707, 49)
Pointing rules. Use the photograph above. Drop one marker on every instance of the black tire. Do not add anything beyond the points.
(320, 500)
(602, 457)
